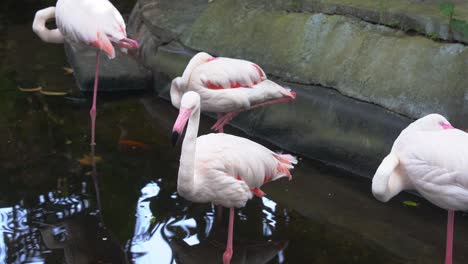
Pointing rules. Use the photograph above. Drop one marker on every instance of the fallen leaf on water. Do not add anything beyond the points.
(134, 144)
(53, 93)
(87, 160)
(30, 90)
(411, 203)
(68, 70)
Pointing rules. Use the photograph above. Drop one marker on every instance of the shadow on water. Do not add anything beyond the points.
(50, 211)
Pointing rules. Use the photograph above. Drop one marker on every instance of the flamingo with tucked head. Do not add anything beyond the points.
(431, 157)
(220, 168)
(228, 86)
(91, 22)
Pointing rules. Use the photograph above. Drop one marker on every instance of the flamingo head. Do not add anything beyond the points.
(432, 122)
(189, 103)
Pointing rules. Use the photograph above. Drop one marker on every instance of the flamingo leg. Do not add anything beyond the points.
(92, 112)
(223, 120)
(449, 246)
(229, 250)
(221, 129)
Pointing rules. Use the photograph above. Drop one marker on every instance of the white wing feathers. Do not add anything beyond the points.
(81, 21)
(437, 164)
(237, 157)
(226, 73)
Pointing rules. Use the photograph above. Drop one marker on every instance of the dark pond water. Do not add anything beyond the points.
(53, 209)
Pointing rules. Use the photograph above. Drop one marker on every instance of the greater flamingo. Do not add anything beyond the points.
(228, 86)
(223, 169)
(429, 156)
(92, 22)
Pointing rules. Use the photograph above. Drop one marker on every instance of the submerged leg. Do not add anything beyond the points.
(92, 112)
(228, 253)
(222, 121)
(219, 213)
(449, 245)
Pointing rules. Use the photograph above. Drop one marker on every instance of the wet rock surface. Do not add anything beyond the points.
(123, 73)
(359, 83)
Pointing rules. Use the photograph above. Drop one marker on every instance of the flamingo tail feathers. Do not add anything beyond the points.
(104, 43)
(285, 163)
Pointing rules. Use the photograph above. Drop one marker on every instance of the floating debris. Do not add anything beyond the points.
(411, 203)
(68, 70)
(53, 93)
(30, 90)
(134, 144)
(41, 90)
(87, 160)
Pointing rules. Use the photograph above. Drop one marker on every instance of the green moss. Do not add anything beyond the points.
(433, 36)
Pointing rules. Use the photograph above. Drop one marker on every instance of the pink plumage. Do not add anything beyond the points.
(91, 22)
(431, 157)
(220, 168)
(227, 85)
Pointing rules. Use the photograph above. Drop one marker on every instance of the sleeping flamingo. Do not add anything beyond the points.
(429, 156)
(227, 86)
(92, 22)
(223, 169)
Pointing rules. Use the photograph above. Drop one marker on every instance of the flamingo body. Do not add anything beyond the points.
(431, 157)
(228, 168)
(390, 179)
(91, 22)
(220, 168)
(227, 85)
(436, 164)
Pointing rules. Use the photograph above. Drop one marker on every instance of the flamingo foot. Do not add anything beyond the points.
(128, 43)
(277, 101)
(223, 120)
(227, 256)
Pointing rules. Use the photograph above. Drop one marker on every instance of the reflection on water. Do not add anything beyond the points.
(28, 234)
(196, 239)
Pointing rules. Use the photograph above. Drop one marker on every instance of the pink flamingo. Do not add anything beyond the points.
(92, 22)
(429, 156)
(220, 168)
(227, 86)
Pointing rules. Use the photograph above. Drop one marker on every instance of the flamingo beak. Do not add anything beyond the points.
(180, 123)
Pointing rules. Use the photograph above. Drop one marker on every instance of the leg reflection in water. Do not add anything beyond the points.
(191, 235)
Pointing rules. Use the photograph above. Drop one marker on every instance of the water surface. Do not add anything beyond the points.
(48, 196)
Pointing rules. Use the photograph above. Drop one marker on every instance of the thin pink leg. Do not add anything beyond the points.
(228, 253)
(448, 250)
(221, 129)
(92, 112)
(281, 100)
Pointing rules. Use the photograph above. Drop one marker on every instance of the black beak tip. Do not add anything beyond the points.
(175, 138)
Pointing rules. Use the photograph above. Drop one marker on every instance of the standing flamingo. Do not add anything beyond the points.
(227, 86)
(220, 168)
(92, 22)
(431, 157)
